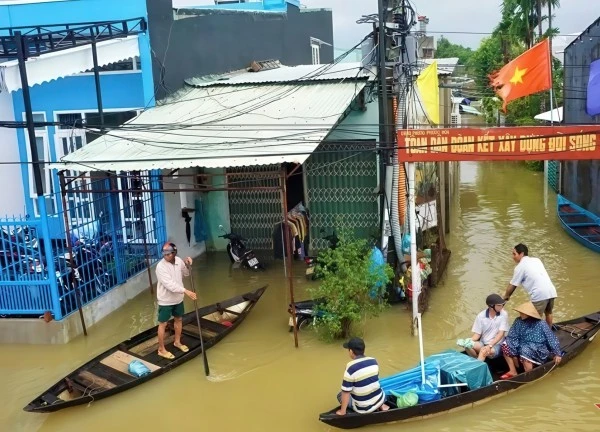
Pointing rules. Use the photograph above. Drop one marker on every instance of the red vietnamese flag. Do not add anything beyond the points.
(527, 74)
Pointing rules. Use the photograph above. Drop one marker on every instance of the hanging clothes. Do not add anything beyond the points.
(298, 223)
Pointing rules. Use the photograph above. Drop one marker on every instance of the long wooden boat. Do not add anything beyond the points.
(574, 336)
(579, 223)
(108, 374)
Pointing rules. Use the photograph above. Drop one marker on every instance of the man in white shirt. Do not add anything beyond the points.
(532, 275)
(170, 292)
(489, 329)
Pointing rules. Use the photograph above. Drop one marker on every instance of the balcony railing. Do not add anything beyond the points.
(40, 40)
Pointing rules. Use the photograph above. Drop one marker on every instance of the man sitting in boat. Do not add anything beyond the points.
(489, 329)
(529, 341)
(361, 391)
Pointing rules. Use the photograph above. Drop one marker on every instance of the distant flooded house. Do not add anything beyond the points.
(580, 180)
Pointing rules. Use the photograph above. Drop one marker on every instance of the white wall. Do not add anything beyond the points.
(12, 199)
(175, 222)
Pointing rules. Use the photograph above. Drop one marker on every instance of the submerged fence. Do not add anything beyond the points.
(113, 233)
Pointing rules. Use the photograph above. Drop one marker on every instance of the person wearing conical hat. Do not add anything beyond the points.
(529, 341)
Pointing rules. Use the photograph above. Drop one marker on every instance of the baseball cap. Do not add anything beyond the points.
(494, 299)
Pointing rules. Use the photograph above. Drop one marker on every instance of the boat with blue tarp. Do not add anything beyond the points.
(452, 380)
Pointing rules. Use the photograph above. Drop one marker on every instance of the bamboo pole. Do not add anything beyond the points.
(288, 251)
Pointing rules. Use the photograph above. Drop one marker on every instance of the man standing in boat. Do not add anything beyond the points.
(170, 292)
(361, 391)
(531, 273)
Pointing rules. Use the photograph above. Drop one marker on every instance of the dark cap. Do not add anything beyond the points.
(494, 299)
(355, 344)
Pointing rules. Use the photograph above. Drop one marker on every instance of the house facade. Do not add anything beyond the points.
(122, 230)
(580, 180)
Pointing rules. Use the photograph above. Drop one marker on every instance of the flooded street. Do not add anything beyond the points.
(260, 382)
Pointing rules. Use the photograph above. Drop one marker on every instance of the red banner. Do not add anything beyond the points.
(500, 143)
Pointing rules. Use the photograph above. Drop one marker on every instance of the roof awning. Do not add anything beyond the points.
(555, 115)
(470, 110)
(48, 67)
(223, 126)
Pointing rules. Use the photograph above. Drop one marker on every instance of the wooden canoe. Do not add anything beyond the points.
(579, 223)
(107, 374)
(574, 336)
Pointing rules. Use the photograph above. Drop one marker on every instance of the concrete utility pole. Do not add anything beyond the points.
(404, 20)
(387, 61)
(385, 121)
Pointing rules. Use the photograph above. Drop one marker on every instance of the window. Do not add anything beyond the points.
(316, 53)
(111, 119)
(43, 151)
(136, 213)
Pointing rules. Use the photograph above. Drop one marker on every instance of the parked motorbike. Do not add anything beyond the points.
(312, 261)
(306, 313)
(89, 268)
(238, 253)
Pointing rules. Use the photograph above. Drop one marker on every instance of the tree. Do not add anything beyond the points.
(525, 16)
(446, 49)
(352, 288)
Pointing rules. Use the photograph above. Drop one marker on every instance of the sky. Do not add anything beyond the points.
(446, 17)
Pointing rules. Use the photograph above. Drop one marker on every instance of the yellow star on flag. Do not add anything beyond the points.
(518, 75)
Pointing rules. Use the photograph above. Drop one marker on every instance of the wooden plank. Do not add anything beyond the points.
(150, 345)
(112, 375)
(214, 326)
(93, 382)
(120, 360)
(50, 399)
(191, 330)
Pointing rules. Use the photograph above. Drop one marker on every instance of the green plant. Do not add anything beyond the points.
(352, 288)
(535, 165)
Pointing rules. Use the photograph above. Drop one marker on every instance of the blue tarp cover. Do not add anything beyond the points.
(410, 381)
(457, 367)
(448, 367)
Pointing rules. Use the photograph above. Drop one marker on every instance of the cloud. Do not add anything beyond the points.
(462, 21)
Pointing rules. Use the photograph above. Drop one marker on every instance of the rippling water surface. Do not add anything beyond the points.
(260, 382)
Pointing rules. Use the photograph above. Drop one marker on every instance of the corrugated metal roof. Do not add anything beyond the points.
(446, 66)
(470, 110)
(222, 127)
(283, 74)
(59, 64)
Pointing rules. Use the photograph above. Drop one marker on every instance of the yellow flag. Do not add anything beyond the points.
(428, 86)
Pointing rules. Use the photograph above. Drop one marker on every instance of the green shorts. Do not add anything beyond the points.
(544, 306)
(166, 312)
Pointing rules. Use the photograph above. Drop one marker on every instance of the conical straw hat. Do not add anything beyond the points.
(528, 309)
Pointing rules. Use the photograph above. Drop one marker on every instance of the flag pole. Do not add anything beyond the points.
(551, 95)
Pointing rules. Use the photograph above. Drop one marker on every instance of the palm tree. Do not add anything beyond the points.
(523, 16)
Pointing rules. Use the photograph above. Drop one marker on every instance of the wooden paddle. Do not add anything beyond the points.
(204, 358)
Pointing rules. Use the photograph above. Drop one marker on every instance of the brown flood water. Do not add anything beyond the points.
(260, 382)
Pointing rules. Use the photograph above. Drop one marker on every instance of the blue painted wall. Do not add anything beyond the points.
(257, 6)
(77, 93)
